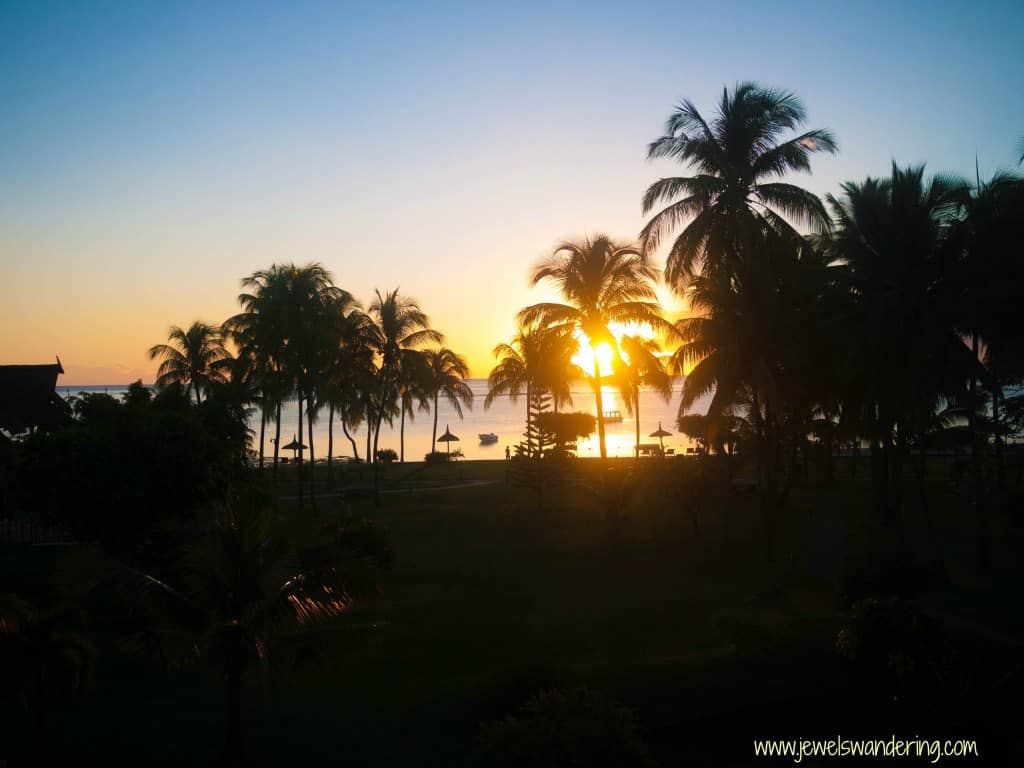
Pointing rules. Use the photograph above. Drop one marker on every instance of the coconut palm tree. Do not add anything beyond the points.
(401, 326)
(641, 365)
(602, 282)
(194, 358)
(987, 280)
(890, 238)
(348, 354)
(413, 391)
(258, 333)
(446, 374)
(536, 360)
(315, 306)
(720, 350)
(287, 315)
(738, 158)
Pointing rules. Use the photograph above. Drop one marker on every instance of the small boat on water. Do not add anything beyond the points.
(612, 416)
(488, 439)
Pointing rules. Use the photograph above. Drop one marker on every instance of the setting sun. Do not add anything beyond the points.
(584, 356)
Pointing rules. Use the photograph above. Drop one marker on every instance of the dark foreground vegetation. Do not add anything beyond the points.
(662, 618)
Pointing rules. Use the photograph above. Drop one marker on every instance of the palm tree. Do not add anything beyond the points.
(602, 282)
(446, 374)
(987, 280)
(722, 351)
(413, 390)
(641, 366)
(194, 358)
(890, 238)
(401, 326)
(536, 360)
(348, 351)
(314, 307)
(262, 331)
(286, 316)
(734, 193)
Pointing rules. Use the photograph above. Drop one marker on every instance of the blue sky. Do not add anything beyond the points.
(154, 153)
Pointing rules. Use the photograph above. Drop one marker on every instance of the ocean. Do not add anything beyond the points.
(505, 419)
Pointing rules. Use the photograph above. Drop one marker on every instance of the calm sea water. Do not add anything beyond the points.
(505, 419)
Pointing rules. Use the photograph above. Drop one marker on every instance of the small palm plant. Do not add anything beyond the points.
(243, 591)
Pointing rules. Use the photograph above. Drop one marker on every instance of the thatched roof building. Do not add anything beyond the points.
(28, 397)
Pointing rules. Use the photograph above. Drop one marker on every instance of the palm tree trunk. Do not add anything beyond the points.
(277, 437)
(770, 447)
(369, 435)
(830, 470)
(298, 469)
(263, 429)
(433, 439)
(401, 437)
(636, 414)
(976, 492)
(529, 440)
(330, 444)
(997, 395)
(599, 402)
(310, 415)
(376, 444)
(355, 448)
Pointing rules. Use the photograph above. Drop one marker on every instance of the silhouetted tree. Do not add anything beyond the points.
(734, 194)
(194, 358)
(602, 282)
(446, 374)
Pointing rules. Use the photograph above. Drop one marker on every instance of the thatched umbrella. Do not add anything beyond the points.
(294, 446)
(661, 434)
(448, 438)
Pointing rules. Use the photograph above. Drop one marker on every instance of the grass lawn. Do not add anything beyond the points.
(713, 631)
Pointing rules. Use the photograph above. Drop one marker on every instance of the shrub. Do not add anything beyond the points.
(387, 455)
(578, 726)
(902, 649)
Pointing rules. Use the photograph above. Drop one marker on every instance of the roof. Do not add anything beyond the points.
(28, 397)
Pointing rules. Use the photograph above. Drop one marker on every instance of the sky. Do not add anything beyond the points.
(153, 154)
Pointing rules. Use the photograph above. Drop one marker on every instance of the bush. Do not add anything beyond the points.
(566, 727)
(883, 573)
(438, 457)
(123, 473)
(903, 650)
(387, 455)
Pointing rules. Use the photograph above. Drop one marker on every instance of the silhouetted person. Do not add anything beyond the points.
(508, 454)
